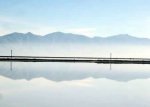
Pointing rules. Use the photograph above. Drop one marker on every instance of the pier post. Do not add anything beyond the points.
(110, 56)
(11, 54)
(11, 60)
(110, 61)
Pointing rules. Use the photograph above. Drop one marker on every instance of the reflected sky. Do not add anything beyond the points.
(77, 93)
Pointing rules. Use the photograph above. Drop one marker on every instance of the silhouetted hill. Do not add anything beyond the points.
(59, 37)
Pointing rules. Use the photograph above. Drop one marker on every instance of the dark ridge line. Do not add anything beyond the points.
(103, 60)
(74, 57)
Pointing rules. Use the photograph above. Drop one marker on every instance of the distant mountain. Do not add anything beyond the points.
(19, 37)
(59, 37)
(125, 38)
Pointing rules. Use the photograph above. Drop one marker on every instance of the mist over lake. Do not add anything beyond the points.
(76, 50)
(79, 84)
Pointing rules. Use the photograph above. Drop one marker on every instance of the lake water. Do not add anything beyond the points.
(74, 85)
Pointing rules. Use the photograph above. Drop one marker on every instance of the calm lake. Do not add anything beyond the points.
(50, 84)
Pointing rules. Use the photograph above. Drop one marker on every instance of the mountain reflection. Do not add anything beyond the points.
(73, 71)
(0, 96)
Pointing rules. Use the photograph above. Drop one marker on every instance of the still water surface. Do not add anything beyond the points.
(74, 85)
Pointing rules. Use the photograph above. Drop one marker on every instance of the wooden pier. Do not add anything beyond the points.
(103, 60)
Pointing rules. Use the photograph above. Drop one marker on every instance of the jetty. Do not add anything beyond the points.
(103, 60)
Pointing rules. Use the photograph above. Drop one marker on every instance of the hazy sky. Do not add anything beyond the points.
(89, 17)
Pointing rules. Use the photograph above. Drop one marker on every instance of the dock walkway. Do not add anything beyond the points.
(103, 60)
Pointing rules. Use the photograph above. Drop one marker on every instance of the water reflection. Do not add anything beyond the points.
(78, 93)
(0, 96)
(74, 71)
(74, 85)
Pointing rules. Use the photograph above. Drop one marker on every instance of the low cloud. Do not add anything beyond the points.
(9, 25)
(83, 31)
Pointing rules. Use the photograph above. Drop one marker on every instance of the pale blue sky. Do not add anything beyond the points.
(89, 17)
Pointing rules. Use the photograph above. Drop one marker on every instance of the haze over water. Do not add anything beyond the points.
(47, 84)
(77, 50)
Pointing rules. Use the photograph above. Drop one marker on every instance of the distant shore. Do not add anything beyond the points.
(103, 60)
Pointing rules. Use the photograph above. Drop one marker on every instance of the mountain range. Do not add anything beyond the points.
(60, 37)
